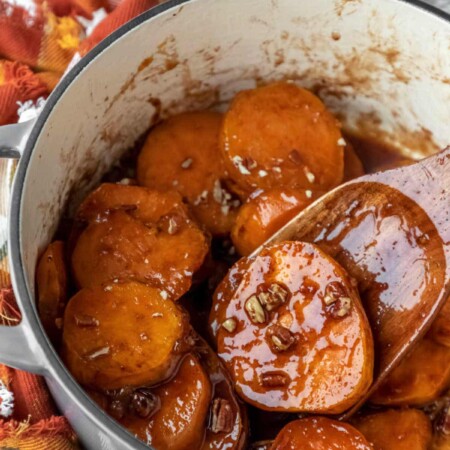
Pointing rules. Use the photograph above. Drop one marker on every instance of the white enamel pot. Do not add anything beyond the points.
(383, 66)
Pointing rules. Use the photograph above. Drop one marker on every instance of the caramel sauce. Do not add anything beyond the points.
(375, 154)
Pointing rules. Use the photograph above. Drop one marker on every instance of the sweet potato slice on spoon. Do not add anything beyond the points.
(293, 325)
(390, 232)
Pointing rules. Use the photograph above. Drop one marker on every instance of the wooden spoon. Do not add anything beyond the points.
(391, 231)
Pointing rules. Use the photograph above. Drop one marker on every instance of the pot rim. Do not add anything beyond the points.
(53, 364)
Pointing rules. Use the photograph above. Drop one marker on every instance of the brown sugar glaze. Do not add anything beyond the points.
(375, 155)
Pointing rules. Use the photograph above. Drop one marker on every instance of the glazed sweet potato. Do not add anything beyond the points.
(183, 154)
(51, 281)
(135, 233)
(181, 419)
(263, 215)
(420, 378)
(123, 334)
(281, 135)
(291, 324)
(319, 433)
(145, 205)
(406, 429)
(353, 167)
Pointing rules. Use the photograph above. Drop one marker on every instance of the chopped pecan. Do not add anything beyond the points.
(334, 291)
(143, 403)
(281, 338)
(343, 307)
(222, 419)
(229, 325)
(274, 296)
(255, 310)
(275, 379)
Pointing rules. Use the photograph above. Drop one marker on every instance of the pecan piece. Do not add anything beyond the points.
(343, 308)
(229, 325)
(255, 310)
(274, 296)
(337, 296)
(333, 292)
(281, 338)
(222, 419)
(275, 379)
(143, 403)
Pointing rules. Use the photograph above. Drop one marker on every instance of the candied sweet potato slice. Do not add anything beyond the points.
(281, 135)
(419, 378)
(263, 215)
(146, 205)
(319, 433)
(144, 241)
(181, 419)
(405, 429)
(183, 153)
(123, 334)
(51, 280)
(292, 332)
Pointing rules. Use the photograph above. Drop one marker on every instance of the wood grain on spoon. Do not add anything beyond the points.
(391, 231)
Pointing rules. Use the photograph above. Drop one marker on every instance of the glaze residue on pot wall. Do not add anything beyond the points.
(378, 64)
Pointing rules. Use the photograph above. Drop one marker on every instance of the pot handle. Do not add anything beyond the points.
(17, 346)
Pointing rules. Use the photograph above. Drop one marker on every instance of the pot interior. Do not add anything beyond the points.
(382, 66)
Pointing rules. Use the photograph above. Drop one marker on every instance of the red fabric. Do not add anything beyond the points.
(31, 398)
(39, 44)
(19, 85)
(126, 11)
